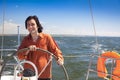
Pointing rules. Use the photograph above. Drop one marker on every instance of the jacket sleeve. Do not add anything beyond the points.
(53, 47)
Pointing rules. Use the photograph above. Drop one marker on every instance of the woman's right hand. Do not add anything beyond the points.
(32, 48)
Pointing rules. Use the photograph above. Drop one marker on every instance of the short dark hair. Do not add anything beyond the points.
(40, 28)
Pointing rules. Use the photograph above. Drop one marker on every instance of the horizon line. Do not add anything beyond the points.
(72, 35)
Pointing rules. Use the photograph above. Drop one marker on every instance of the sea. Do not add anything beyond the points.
(80, 54)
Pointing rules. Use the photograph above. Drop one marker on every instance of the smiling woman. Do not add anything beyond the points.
(37, 39)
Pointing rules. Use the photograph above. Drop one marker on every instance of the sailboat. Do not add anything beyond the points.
(18, 64)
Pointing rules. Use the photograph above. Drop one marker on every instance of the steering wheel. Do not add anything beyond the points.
(39, 49)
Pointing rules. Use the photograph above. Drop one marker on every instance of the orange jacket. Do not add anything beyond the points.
(40, 58)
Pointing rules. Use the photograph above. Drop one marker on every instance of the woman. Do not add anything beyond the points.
(37, 39)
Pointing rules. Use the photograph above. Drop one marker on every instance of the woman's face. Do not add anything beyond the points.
(32, 26)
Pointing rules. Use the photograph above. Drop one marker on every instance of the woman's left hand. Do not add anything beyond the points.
(60, 61)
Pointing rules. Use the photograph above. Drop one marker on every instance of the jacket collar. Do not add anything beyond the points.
(41, 35)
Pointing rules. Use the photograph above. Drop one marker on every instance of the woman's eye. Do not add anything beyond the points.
(32, 24)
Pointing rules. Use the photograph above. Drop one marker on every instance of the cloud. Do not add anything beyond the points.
(9, 27)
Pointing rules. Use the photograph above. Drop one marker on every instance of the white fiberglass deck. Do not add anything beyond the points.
(10, 77)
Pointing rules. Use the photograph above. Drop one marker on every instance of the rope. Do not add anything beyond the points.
(93, 22)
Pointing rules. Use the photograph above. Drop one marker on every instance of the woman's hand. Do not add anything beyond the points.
(60, 61)
(32, 48)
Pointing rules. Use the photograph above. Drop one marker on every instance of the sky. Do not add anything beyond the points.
(68, 17)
